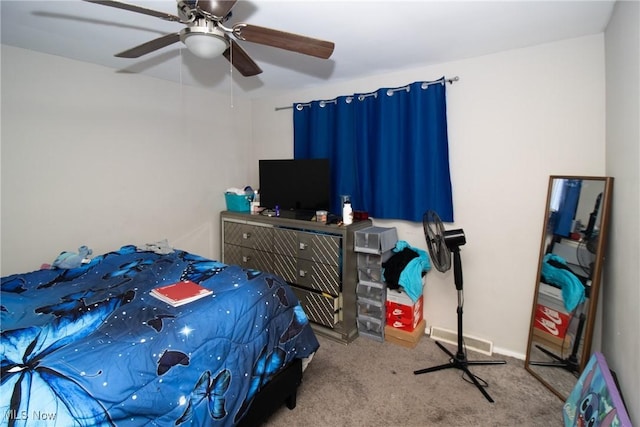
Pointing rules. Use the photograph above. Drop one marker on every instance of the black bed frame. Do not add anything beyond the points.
(282, 388)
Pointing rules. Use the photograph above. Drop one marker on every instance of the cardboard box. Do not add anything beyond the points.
(404, 338)
(402, 312)
(556, 345)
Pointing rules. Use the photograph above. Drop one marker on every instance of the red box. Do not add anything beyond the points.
(551, 321)
(402, 312)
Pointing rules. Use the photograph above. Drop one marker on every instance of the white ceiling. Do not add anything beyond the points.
(371, 37)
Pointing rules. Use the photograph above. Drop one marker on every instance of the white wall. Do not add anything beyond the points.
(514, 119)
(92, 156)
(621, 288)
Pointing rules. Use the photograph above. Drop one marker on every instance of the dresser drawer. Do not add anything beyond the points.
(320, 277)
(249, 236)
(317, 247)
(320, 308)
(285, 242)
(248, 258)
(285, 266)
(312, 275)
(321, 248)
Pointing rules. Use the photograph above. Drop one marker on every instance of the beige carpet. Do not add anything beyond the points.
(368, 383)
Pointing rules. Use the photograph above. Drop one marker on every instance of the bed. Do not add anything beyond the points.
(88, 346)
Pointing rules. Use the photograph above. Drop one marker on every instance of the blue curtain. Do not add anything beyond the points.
(388, 149)
(568, 206)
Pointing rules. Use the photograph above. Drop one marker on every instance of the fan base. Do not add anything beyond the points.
(459, 361)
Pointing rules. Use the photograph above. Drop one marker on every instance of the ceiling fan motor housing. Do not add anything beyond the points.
(203, 27)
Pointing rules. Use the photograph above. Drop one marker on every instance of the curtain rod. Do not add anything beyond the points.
(450, 81)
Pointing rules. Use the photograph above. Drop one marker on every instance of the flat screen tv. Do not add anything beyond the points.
(295, 184)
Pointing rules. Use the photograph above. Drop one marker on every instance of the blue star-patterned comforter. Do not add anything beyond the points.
(89, 346)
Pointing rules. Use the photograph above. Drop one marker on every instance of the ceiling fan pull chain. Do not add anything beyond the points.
(231, 72)
(180, 75)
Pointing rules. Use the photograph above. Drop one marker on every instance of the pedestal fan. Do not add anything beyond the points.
(441, 244)
(571, 363)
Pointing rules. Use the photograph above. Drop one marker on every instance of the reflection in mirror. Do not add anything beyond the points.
(568, 280)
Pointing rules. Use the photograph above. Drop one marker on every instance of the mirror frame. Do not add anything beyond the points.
(587, 333)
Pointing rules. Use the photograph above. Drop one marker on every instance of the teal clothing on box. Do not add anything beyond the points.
(571, 286)
(411, 276)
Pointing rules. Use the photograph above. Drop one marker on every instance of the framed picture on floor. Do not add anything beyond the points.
(595, 399)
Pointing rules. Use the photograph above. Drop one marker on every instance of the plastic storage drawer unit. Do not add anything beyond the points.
(371, 327)
(366, 260)
(370, 274)
(371, 308)
(372, 291)
(375, 240)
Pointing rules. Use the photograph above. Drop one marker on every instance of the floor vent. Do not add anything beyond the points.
(471, 343)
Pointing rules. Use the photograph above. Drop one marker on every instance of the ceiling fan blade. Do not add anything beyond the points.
(240, 59)
(150, 46)
(283, 40)
(138, 9)
(219, 8)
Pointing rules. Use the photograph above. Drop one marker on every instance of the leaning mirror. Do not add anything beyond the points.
(568, 280)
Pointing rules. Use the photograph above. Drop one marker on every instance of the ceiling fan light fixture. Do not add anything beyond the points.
(206, 36)
(205, 44)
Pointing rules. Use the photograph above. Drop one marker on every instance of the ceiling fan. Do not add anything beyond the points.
(207, 37)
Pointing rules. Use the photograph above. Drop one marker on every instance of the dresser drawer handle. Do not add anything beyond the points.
(246, 259)
(303, 246)
(246, 235)
(303, 273)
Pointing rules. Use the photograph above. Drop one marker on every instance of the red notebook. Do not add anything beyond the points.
(180, 293)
